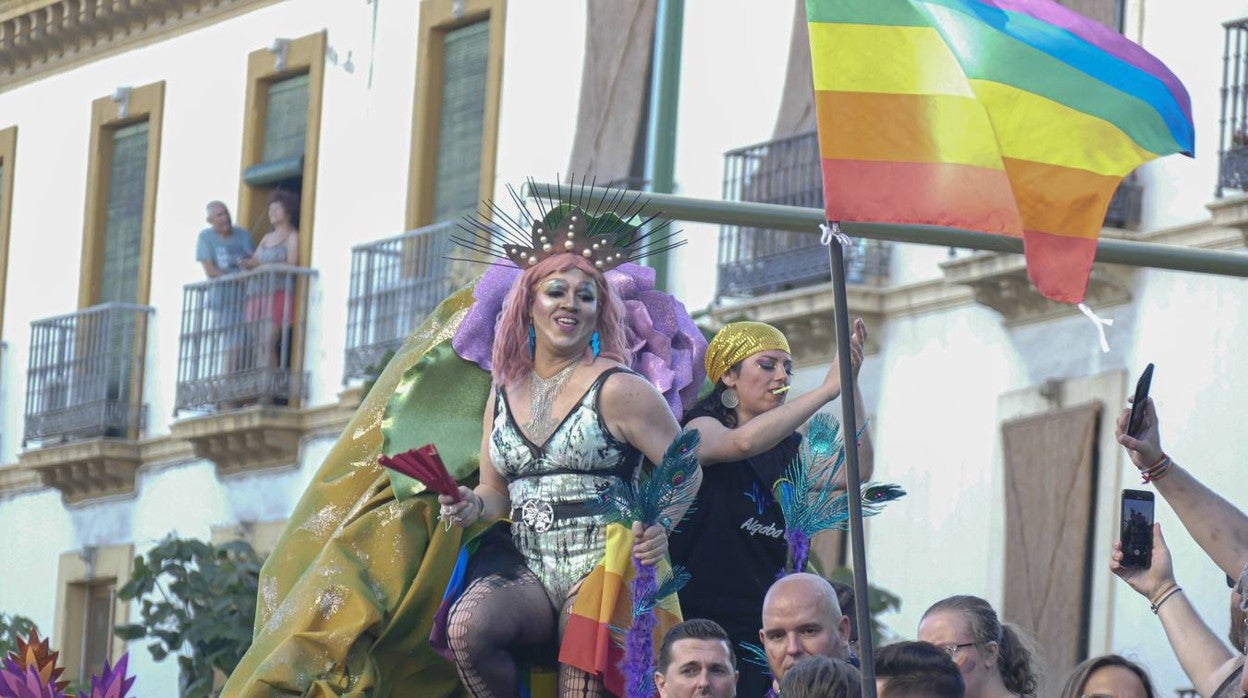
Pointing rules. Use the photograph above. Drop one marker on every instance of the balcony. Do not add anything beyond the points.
(241, 365)
(84, 400)
(1126, 204)
(395, 284)
(759, 261)
(241, 340)
(1233, 142)
(86, 373)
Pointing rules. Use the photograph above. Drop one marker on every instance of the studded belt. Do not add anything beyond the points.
(540, 515)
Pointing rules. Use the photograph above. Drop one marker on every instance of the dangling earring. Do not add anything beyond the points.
(532, 341)
(595, 343)
(729, 398)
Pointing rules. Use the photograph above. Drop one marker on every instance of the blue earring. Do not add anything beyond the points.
(595, 343)
(532, 341)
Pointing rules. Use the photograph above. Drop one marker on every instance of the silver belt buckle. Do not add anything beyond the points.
(537, 515)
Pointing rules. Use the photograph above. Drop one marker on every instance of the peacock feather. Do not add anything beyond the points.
(671, 487)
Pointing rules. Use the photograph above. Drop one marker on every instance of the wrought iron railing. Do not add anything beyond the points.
(241, 340)
(755, 261)
(1233, 145)
(395, 283)
(85, 374)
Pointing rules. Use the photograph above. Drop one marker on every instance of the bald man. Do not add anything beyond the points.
(801, 618)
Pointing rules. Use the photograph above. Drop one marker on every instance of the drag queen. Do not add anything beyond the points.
(549, 407)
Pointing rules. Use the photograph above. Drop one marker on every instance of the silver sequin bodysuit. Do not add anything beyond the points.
(578, 457)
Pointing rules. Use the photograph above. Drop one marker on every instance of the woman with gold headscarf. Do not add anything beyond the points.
(733, 541)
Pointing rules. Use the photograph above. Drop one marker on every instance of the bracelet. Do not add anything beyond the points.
(1157, 470)
(1173, 590)
(480, 505)
(1152, 600)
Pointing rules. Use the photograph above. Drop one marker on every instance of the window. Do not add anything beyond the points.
(87, 607)
(121, 197)
(281, 134)
(455, 124)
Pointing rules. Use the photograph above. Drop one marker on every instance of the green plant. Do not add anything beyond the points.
(13, 626)
(879, 601)
(198, 602)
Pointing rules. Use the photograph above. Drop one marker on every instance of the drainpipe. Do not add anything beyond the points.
(669, 20)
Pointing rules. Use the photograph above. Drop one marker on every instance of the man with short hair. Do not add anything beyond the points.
(802, 618)
(696, 659)
(917, 670)
(222, 245)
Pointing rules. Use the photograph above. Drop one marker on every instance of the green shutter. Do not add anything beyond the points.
(286, 119)
(461, 121)
(123, 226)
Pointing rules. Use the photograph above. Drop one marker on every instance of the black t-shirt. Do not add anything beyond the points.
(733, 541)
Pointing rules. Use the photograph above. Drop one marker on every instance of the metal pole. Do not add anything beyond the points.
(853, 482)
(776, 217)
(669, 20)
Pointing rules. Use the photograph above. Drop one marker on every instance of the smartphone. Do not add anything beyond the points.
(1137, 528)
(1136, 422)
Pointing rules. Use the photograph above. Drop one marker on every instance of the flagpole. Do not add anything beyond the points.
(853, 482)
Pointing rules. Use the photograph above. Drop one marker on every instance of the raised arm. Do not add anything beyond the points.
(721, 444)
(1204, 658)
(1218, 526)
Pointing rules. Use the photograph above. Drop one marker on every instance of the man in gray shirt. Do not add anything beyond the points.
(222, 245)
(220, 248)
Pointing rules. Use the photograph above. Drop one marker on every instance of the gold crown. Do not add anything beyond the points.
(607, 234)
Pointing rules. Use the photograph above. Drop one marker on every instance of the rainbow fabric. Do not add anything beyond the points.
(1013, 117)
(602, 604)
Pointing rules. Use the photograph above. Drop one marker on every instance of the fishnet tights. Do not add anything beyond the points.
(496, 615)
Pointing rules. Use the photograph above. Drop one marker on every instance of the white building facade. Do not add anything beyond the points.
(126, 417)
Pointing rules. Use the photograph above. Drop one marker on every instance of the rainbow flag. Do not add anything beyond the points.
(602, 604)
(1013, 117)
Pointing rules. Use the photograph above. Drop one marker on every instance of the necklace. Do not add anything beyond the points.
(542, 395)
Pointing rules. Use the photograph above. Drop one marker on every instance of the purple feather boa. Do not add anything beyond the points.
(799, 548)
(638, 663)
(667, 346)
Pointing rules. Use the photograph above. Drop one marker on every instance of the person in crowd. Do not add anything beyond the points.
(801, 618)
(845, 597)
(696, 659)
(270, 298)
(566, 413)
(1220, 529)
(821, 677)
(733, 541)
(917, 670)
(1108, 676)
(997, 659)
(220, 248)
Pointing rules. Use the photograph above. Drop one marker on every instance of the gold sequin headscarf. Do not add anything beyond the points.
(738, 341)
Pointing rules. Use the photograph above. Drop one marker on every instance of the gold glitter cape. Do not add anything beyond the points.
(348, 595)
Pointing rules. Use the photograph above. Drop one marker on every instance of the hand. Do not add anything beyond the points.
(1145, 450)
(463, 513)
(649, 545)
(857, 351)
(1148, 582)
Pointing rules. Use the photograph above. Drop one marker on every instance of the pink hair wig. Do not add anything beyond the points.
(511, 359)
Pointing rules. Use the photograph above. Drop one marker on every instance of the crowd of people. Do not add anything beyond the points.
(570, 409)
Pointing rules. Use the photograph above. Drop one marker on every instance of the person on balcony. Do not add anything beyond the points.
(348, 597)
(269, 309)
(220, 248)
(733, 542)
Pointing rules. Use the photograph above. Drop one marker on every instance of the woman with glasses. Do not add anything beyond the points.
(1221, 530)
(997, 660)
(1108, 676)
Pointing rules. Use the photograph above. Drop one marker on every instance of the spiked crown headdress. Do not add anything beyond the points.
(608, 232)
